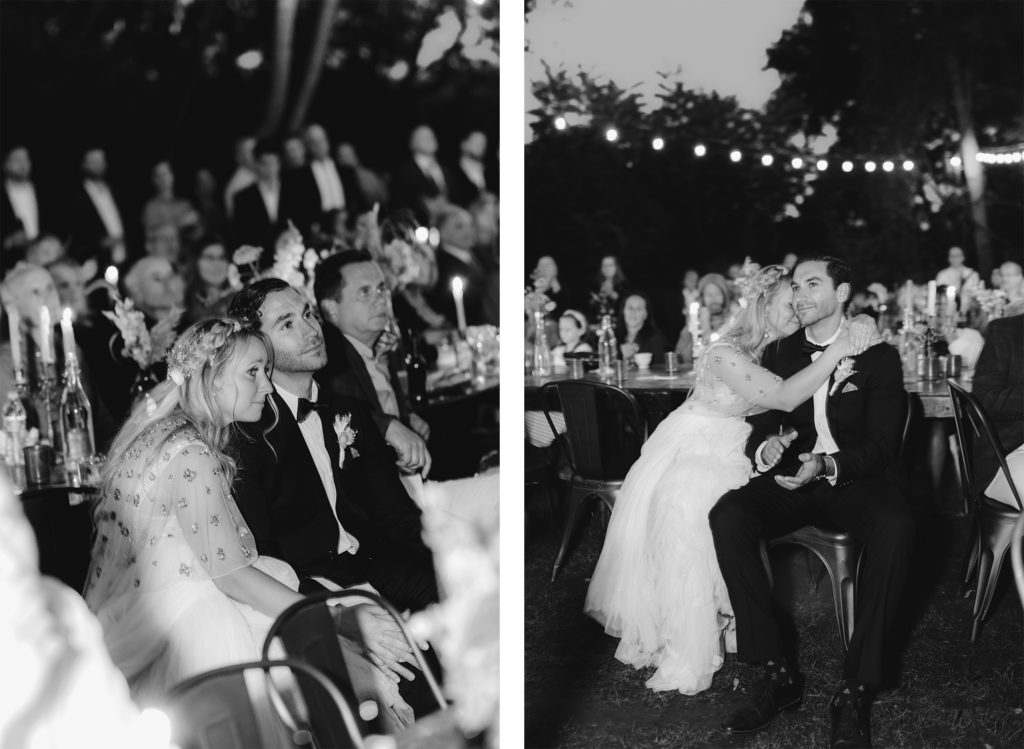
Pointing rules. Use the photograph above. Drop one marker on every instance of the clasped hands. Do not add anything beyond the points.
(386, 646)
(410, 444)
(812, 465)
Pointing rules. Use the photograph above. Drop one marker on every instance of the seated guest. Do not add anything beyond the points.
(164, 241)
(572, 326)
(999, 387)
(691, 292)
(165, 208)
(94, 218)
(178, 580)
(610, 287)
(257, 217)
(545, 280)
(956, 274)
(372, 186)
(352, 296)
(69, 278)
(638, 333)
(45, 249)
(469, 176)
(1012, 283)
(715, 309)
(207, 291)
(397, 238)
(244, 174)
(455, 257)
(321, 490)
(421, 184)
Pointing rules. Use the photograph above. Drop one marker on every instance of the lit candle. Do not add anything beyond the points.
(932, 290)
(694, 320)
(460, 309)
(950, 300)
(45, 336)
(110, 275)
(14, 326)
(68, 333)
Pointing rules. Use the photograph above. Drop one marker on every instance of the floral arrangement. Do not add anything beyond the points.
(145, 346)
(245, 257)
(991, 301)
(346, 437)
(537, 301)
(464, 626)
(843, 372)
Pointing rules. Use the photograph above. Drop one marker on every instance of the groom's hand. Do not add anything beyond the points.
(811, 466)
(413, 455)
(775, 446)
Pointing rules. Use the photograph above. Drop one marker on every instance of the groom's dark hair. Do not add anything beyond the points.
(835, 269)
(247, 302)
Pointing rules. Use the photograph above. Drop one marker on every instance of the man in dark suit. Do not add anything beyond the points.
(258, 217)
(421, 184)
(470, 177)
(839, 469)
(352, 296)
(455, 257)
(999, 387)
(94, 215)
(21, 219)
(319, 488)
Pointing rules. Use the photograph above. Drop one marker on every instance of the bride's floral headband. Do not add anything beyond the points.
(754, 280)
(196, 346)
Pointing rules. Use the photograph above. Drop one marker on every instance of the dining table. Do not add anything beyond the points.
(659, 392)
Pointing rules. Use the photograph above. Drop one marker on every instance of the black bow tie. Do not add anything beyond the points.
(306, 407)
(809, 348)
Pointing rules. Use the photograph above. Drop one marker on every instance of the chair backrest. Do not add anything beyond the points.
(974, 429)
(306, 630)
(307, 633)
(240, 707)
(604, 427)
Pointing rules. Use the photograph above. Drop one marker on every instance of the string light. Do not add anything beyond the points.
(847, 166)
(955, 161)
(658, 143)
(767, 159)
(797, 162)
(560, 123)
(611, 134)
(700, 149)
(869, 166)
(735, 156)
(822, 165)
(422, 234)
(908, 166)
(888, 166)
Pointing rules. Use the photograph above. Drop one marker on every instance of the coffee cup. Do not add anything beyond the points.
(643, 360)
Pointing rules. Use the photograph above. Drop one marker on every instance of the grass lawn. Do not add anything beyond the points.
(945, 692)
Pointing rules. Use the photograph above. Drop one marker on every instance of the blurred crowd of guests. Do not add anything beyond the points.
(176, 260)
(709, 300)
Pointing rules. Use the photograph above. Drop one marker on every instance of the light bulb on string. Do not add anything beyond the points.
(847, 166)
(797, 162)
(888, 166)
(767, 159)
(822, 165)
(700, 149)
(735, 156)
(611, 134)
(869, 166)
(955, 161)
(658, 143)
(908, 166)
(560, 123)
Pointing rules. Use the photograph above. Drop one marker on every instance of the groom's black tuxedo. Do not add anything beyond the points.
(282, 498)
(865, 414)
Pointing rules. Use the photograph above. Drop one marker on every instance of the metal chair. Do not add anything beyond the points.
(993, 520)
(242, 707)
(605, 431)
(839, 552)
(306, 630)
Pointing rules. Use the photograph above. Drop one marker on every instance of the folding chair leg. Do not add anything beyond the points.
(983, 596)
(843, 590)
(573, 508)
(972, 564)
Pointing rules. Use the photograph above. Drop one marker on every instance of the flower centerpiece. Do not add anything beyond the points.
(145, 346)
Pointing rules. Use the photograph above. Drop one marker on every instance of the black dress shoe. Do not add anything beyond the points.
(765, 699)
(851, 720)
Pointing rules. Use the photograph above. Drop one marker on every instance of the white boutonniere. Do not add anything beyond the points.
(843, 372)
(346, 438)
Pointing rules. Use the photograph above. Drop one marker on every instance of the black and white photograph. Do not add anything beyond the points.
(774, 355)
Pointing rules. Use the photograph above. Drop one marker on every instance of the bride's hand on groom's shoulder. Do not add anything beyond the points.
(863, 333)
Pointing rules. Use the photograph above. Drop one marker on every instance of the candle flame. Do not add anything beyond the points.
(67, 314)
(110, 275)
(457, 285)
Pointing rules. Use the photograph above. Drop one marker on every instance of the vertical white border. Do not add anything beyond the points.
(512, 260)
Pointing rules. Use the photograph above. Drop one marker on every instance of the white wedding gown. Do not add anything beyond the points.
(167, 528)
(657, 585)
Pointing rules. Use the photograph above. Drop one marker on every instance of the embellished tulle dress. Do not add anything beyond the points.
(657, 585)
(166, 529)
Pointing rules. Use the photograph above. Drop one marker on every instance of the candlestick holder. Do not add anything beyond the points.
(47, 399)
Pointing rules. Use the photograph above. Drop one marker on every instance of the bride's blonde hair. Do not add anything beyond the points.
(187, 397)
(750, 328)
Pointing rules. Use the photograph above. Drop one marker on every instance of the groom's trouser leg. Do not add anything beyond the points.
(876, 513)
(739, 521)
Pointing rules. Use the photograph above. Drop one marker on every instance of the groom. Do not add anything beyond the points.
(317, 484)
(839, 470)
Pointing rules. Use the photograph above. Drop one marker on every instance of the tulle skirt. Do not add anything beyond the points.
(657, 585)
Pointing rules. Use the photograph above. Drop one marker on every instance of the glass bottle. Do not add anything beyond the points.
(416, 368)
(76, 421)
(14, 427)
(607, 347)
(541, 350)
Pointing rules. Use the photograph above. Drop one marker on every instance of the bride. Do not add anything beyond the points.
(176, 580)
(657, 585)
